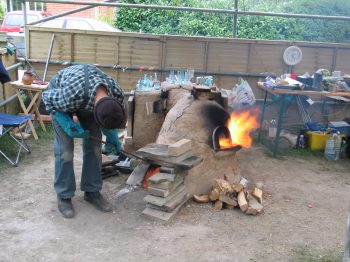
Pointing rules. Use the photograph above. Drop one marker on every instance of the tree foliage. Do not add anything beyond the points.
(323, 30)
(175, 22)
(249, 26)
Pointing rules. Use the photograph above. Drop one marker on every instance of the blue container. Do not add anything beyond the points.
(341, 126)
(314, 126)
(317, 80)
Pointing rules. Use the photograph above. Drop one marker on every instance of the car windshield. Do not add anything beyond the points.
(81, 24)
(17, 19)
(56, 23)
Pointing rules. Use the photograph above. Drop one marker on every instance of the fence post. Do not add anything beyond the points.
(235, 16)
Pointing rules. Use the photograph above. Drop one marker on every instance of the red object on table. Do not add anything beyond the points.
(293, 76)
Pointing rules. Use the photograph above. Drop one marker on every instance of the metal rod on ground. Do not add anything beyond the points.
(48, 56)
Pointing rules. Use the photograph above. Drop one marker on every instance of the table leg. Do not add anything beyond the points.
(36, 99)
(262, 115)
(25, 111)
(279, 125)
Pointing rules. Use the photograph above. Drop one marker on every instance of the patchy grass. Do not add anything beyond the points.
(8, 146)
(293, 152)
(304, 254)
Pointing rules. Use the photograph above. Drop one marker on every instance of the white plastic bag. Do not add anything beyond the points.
(240, 96)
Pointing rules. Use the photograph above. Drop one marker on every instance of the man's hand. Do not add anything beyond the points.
(69, 126)
(111, 138)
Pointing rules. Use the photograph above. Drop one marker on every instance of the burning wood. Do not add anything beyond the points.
(240, 125)
(226, 195)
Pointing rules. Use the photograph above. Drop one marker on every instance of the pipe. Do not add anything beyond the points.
(8, 100)
(191, 9)
(48, 56)
(14, 66)
(235, 17)
(153, 69)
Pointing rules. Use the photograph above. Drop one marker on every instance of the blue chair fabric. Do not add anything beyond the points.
(9, 123)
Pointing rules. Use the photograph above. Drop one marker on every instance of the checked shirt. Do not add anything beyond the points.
(66, 91)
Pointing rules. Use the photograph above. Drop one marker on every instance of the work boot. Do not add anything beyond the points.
(98, 201)
(65, 207)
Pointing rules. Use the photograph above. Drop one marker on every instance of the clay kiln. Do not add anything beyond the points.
(196, 119)
(191, 113)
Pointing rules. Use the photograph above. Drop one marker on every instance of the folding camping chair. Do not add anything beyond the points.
(7, 124)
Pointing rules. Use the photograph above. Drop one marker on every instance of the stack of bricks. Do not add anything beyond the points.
(167, 194)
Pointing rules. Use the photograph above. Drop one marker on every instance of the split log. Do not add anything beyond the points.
(238, 187)
(257, 193)
(218, 205)
(214, 194)
(242, 201)
(228, 206)
(201, 198)
(227, 199)
(223, 186)
(254, 207)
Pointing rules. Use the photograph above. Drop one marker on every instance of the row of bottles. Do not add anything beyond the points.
(180, 77)
(148, 83)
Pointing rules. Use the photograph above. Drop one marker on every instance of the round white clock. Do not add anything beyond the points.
(292, 55)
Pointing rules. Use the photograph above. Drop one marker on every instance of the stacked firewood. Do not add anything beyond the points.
(226, 195)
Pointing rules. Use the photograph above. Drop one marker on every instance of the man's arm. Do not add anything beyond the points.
(72, 129)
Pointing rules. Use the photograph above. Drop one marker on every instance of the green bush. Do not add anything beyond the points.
(253, 27)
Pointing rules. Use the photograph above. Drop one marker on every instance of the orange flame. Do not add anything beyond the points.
(150, 172)
(240, 125)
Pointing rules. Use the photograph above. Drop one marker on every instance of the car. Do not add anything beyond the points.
(78, 23)
(17, 38)
(13, 21)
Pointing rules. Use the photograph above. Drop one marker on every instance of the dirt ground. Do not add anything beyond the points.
(306, 201)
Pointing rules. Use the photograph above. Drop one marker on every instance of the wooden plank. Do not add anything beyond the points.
(186, 164)
(162, 201)
(171, 206)
(168, 170)
(179, 200)
(162, 177)
(160, 152)
(163, 216)
(156, 191)
(180, 147)
(138, 174)
(168, 184)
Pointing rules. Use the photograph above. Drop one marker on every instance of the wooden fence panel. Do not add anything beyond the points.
(228, 57)
(182, 54)
(223, 58)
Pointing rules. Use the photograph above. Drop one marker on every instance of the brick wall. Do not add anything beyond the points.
(95, 12)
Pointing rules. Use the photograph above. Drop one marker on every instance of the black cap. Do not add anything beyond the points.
(109, 113)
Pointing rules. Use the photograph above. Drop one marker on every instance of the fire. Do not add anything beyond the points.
(150, 172)
(240, 125)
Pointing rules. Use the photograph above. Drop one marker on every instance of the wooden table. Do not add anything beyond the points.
(282, 92)
(33, 92)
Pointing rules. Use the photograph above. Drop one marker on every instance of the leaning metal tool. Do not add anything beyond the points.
(48, 56)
